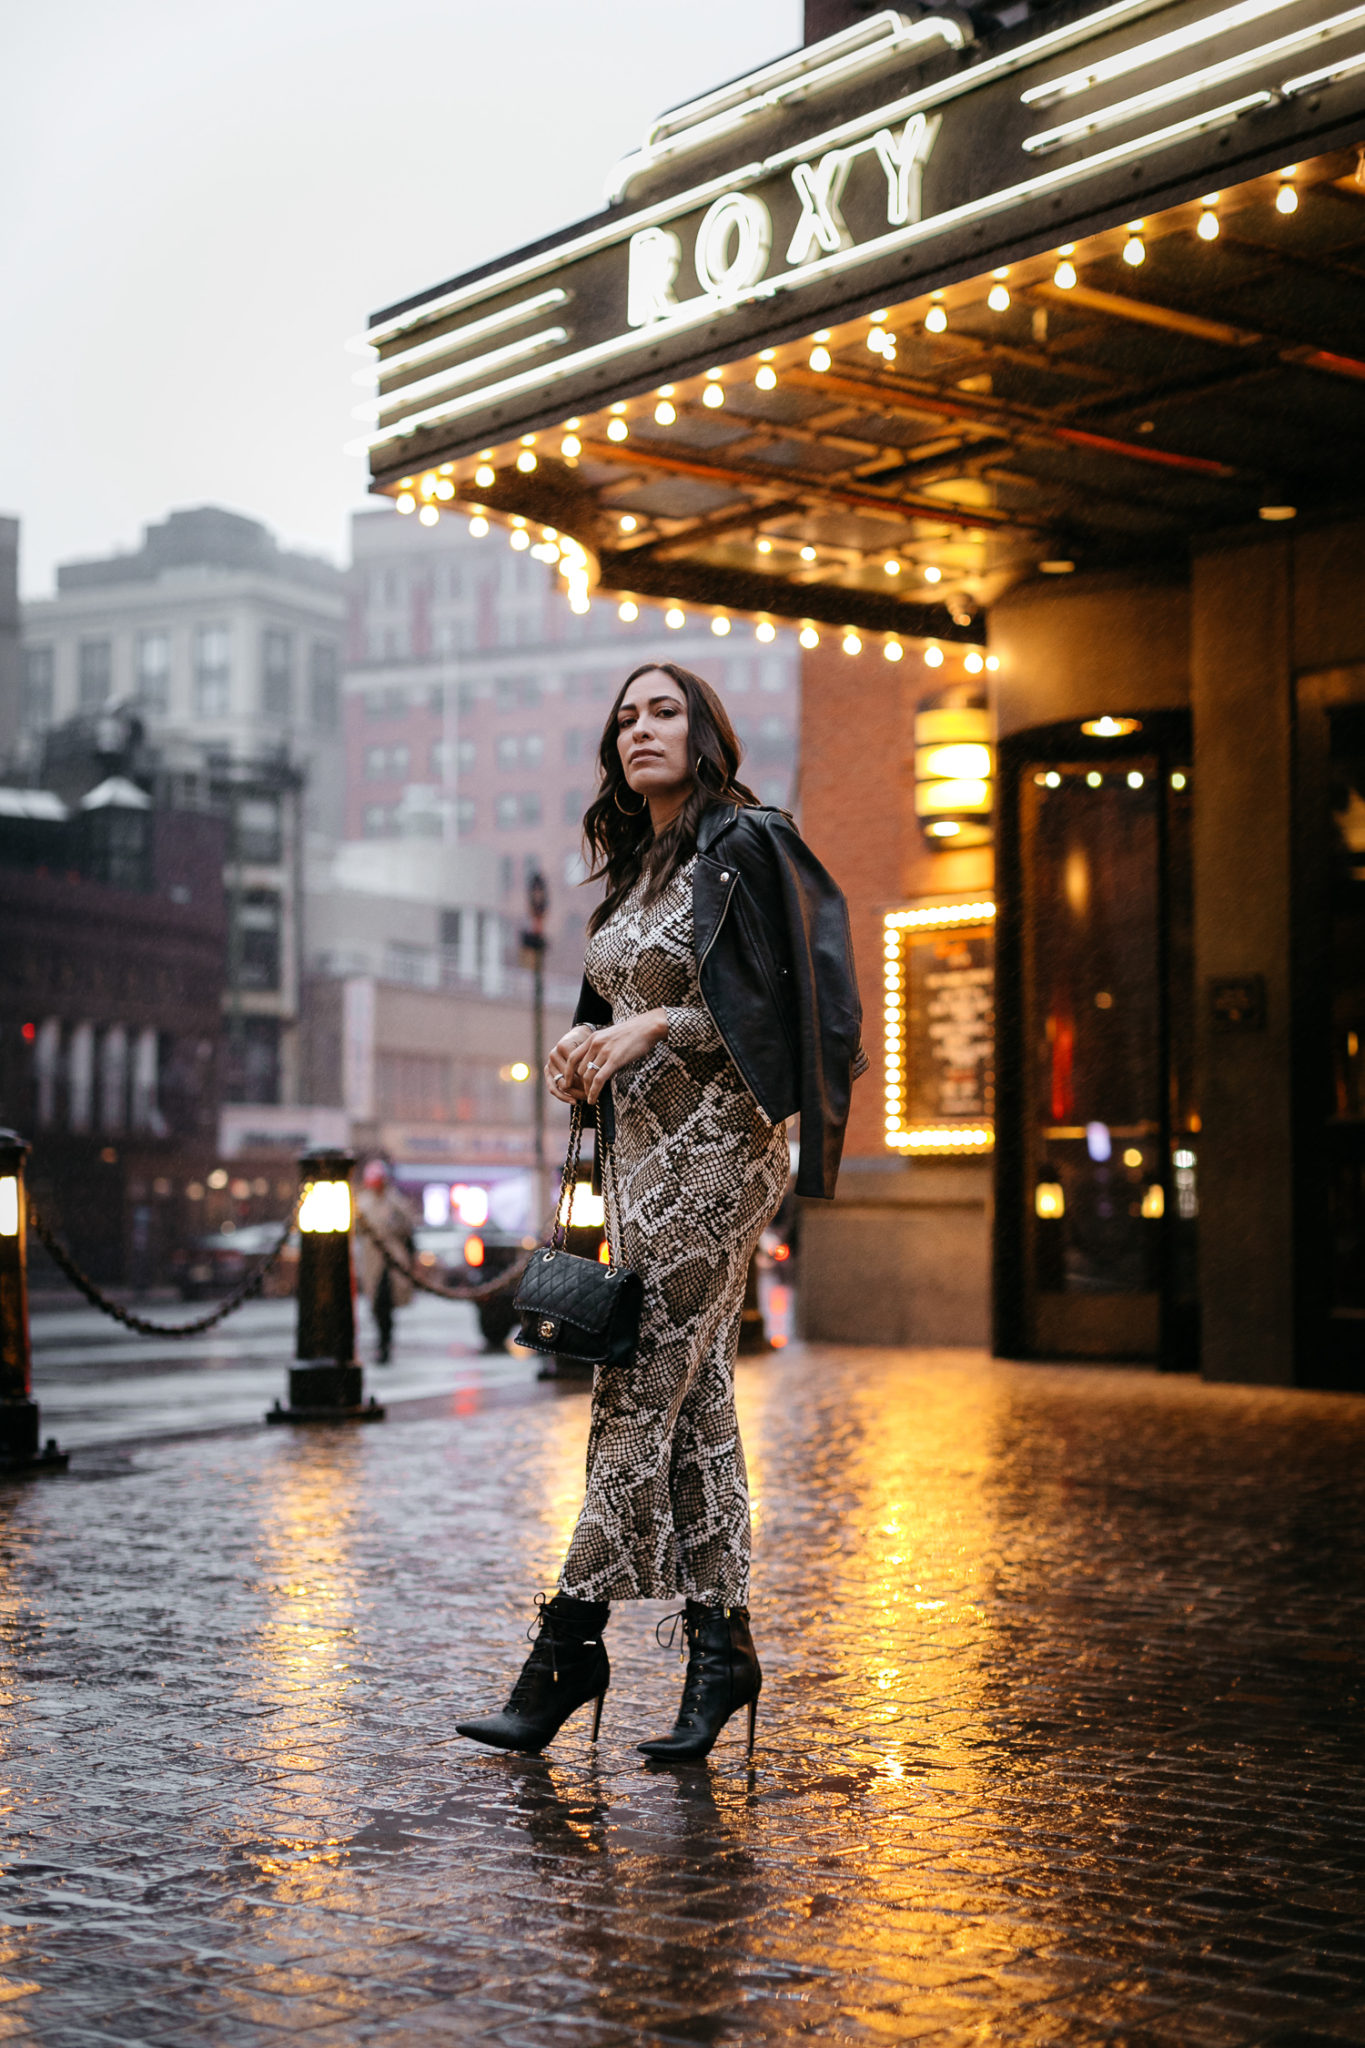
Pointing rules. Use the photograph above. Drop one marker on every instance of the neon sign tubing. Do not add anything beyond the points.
(462, 337)
(1142, 54)
(694, 312)
(1194, 81)
(735, 180)
(515, 351)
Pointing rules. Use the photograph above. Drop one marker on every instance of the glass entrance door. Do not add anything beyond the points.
(1097, 1133)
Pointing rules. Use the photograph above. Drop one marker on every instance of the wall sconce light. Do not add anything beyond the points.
(954, 774)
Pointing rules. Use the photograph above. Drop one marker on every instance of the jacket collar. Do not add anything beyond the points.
(716, 819)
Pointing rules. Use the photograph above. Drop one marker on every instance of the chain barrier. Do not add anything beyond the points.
(482, 1290)
(250, 1285)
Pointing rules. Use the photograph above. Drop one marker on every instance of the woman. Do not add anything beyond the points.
(719, 999)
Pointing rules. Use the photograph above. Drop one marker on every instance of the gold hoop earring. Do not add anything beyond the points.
(625, 809)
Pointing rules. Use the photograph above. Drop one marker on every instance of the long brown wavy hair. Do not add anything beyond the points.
(621, 843)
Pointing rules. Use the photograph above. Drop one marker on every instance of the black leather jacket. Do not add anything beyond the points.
(775, 962)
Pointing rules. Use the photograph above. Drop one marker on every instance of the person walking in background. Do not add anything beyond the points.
(387, 1217)
(719, 999)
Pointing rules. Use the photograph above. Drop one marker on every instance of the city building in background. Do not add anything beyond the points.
(113, 933)
(475, 700)
(205, 666)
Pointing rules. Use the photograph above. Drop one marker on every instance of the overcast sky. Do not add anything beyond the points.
(200, 203)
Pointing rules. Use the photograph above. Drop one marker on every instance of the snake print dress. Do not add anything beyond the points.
(698, 1172)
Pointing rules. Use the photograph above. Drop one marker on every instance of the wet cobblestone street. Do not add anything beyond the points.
(1060, 1740)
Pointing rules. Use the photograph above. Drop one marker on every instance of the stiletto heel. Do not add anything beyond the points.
(723, 1675)
(567, 1667)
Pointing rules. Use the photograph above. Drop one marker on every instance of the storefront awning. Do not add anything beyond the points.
(872, 335)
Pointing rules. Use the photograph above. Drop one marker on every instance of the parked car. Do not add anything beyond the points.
(215, 1264)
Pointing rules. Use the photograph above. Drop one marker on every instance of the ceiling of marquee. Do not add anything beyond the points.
(1108, 422)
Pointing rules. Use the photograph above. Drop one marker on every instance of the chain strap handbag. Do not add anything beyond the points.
(576, 1307)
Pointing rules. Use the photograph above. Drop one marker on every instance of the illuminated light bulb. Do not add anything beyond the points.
(1064, 276)
(765, 377)
(1136, 778)
(820, 358)
(713, 395)
(628, 522)
(998, 298)
(893, 650)
(478, 526)
(936, 319)
(1287, 199)
(808, 553)
(406, 484)
(974, 663)
(767, 355)
(428, 484)
(765, 631)
(528, 440)
(674, 617)
(889, 352)
(617, 430)
(944, 828)
(809, 637)
(570, 447)
(1053, 779)
(1094, 779)
(852, 644)
(526, 462)
(519, 539)
(618, 406)
(824, 333)
(428, 515)
(1134, 249)
(665, 413)
(891, 566)
(668, 390)
(720, 626)
(405, 502)
(765, 546)
(628, 611)
(573, 425)
(1178, 779)
(877, 339)
(992, 662)
(579, 605)
(933, 575)
(444, 487)
(1206, 227)
(485, 476)
(934, 657)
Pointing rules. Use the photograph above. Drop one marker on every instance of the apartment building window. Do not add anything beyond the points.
(39, 690)
(467, 753)
(258, 939)
(323, 696)
(253, 1060)
(578, 743)
(376, 821)
(575, 803)
(95, 670)
(386, 764)
(530, 807)
(775, 673)
(277, 674)
(532, 749)
(466, 814)
(468, 696)
(517, 693)
(258, 828)
(505, 750)
(385, 703)
(507, 812)
(212, 672)
(153, 670)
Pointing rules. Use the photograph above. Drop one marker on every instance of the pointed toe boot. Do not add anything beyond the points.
(723, 1675)
(567, 1667)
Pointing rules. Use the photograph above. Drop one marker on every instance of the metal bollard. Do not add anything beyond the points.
(19, 1450)
(328, 1383)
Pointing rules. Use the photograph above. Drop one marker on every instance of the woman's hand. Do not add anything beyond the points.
(605, 1052)
(557, 1066)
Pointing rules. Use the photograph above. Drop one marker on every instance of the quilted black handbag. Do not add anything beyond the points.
(576, 1307)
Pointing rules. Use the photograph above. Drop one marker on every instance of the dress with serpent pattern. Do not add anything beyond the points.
(698, 1172)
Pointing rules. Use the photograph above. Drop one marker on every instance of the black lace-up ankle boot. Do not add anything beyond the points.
(567, 1667)
(723, 1675)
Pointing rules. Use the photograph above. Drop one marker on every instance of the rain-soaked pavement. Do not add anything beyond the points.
(1060, 1742)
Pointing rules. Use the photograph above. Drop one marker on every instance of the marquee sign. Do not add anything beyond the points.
(889, 160)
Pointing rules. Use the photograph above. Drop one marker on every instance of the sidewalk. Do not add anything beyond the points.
(1061, 1736)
